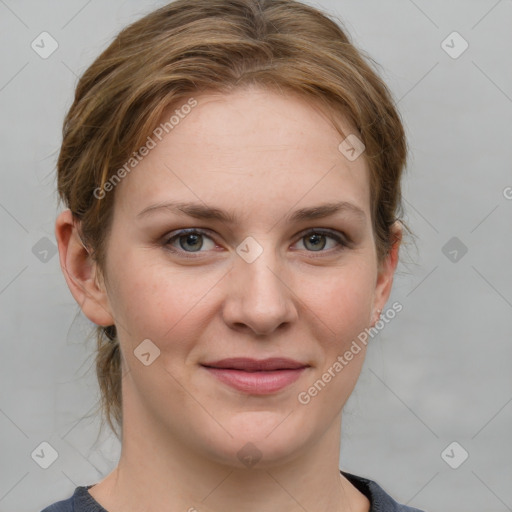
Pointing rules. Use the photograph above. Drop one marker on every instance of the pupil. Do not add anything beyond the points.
(193, 239)
(315, 240)
(316, 237)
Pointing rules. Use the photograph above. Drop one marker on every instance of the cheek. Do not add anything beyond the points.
(343, 300)
(342, 306)
(159, 302)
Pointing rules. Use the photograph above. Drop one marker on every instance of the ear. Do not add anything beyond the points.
(387, 271)
(81, 271)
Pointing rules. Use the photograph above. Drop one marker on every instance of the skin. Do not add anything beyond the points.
(260, 155)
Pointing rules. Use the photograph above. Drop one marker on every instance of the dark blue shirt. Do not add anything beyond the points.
(380, 500)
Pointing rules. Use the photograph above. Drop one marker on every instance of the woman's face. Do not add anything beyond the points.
(278, 278)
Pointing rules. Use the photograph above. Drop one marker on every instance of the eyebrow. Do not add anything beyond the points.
(201, 211)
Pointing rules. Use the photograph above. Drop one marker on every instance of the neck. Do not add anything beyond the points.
(158, 472)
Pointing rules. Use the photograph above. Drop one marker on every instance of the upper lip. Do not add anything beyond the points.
(254, 365)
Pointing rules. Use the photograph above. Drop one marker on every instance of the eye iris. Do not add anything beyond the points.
(194, 239)
(316, 238)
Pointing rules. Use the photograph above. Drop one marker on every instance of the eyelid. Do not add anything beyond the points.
(343, 241)
(336, 234)
(340, 237)
(182, 232)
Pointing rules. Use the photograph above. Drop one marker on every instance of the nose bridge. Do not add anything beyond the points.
(258, 297)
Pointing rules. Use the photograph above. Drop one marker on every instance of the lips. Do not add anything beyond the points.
(253, 365)
(256, 377)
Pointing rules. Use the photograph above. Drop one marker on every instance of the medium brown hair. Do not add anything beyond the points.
(193, 46)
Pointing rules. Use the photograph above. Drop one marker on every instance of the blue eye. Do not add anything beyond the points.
(186, 242)
(317, 239)
(189, 238)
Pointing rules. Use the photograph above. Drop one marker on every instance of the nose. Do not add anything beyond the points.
(258, 299)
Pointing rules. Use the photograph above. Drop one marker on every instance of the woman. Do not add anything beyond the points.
(231, 171)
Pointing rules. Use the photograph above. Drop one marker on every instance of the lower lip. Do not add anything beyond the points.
(257, 383)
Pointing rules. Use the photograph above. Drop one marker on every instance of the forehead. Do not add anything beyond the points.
(250, 148)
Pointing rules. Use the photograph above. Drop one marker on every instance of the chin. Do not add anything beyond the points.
(260, 440)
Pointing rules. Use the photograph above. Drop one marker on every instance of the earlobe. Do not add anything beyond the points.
(387, 269)
(81, 271)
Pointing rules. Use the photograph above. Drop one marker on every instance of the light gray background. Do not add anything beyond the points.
(438, 373)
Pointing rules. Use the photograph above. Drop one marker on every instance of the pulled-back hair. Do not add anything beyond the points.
(192, 46)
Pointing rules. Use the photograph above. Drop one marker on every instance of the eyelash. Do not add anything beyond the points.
(341, 240)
